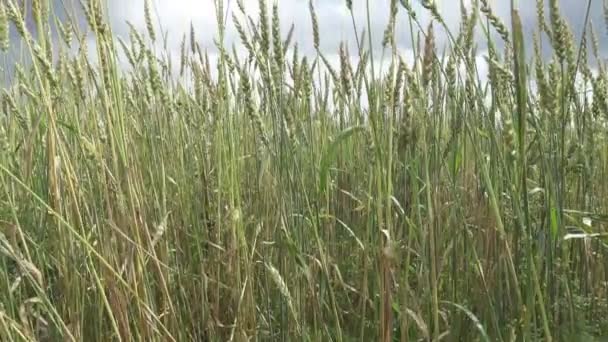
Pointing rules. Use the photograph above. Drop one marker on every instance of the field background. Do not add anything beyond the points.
(264, 193)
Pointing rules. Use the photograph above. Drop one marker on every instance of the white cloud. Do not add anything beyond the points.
(335, 25)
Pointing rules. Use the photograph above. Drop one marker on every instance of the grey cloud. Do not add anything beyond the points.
(335, 23)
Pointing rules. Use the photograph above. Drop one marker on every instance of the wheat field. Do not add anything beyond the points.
(272, 195)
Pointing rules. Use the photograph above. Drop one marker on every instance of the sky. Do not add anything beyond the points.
(335, 25)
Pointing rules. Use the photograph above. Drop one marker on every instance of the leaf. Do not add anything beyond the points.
(553, 222)
(582, 235)
(587, 221)
(457, 161)
(419, 322)
(520, 77)
(483, 133)
(330, 154)
(473, 318)
(280, 283)
(584, 225)
(536, 191)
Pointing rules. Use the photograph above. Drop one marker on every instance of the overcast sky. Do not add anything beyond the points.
(176, 16)
(334, 19)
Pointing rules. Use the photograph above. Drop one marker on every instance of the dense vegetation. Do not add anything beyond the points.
(274, 195)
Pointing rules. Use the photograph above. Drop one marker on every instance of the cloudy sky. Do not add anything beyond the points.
(176, 16)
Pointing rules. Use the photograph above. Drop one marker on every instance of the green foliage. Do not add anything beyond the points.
(278, 196)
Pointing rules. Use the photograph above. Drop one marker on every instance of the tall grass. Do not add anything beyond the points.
(278, 196)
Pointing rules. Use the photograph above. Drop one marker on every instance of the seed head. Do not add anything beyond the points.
(47, 68)
(345, 77)
(276, 40)
(4, 32)
(67, 33)
(148, 18)
(315, 25)
(428, 56)
(495, 21)
(14, 15)
(264, 29)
